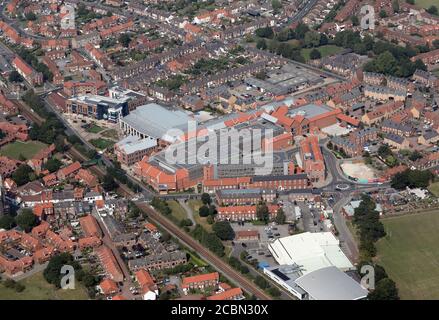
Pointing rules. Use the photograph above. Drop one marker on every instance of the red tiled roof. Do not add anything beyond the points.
(214, 276)
(227, 295)
(108, 286)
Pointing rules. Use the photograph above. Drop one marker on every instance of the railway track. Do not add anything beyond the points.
(215, 261)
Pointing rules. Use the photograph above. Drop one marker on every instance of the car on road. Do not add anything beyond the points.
(244, 245)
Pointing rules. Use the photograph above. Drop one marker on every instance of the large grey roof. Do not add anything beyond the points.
(331, 284)
(155, 120)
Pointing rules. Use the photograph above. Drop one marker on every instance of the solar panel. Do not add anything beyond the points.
(280, 274)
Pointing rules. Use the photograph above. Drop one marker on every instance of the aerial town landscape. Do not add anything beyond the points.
(219, 150)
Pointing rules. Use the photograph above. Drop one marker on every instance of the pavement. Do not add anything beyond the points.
(189, 211)
(347, 241)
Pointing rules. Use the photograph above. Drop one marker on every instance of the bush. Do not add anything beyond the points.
(261, 282)
(223, 230)
(274, 292)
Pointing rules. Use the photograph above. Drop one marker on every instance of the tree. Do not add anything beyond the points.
(276, 5)
(223, 230)
(53, 165)
(266, 32)
(205, 198)
(261, 44)
(315, 54)
(262, 212)
(31, 16)
(385, 289)
(312, 39)
(125, 39)
(355, 21)
(274, 292)
(412, 2)
(134, 212)
(14, 76)
(26, 220)
(210, 219)
(415, 155)
(436, 44)
(411, 179)
(280, 216)
(23, 174)
(301, 30)
(108, 183)
(383, 14)
(261, 282)
(395, 5)
(203, 211)
(433, 10)
(186, 223)
(52, 273)
(7, 222)
(384, 151)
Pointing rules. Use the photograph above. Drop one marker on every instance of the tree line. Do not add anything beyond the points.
(387, 58)
(370, 229)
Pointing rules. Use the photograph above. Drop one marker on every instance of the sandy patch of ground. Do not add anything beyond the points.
(358, 170)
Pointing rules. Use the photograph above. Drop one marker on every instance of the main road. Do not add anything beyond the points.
(215, 261)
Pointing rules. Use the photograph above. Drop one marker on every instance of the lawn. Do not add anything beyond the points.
(195, 205)
(427, 3)
(178, 211)
(434, 188)
(197, 261)
(110, 133)
(38, 289)
(325, 51)
(410, 256)
(94, 128)
(101, 143)
(26, 149)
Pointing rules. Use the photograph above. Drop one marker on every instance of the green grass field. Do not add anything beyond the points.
(101, 143)
(111, 133)
(177, 210)
(26, 149)
(427, 3)
(325, 51)
(410, 256)
(94, 128)
(38, 289)
(197, 261)
(434, 188)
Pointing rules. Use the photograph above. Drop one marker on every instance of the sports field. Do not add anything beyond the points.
(26, 149)
(410, 256)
